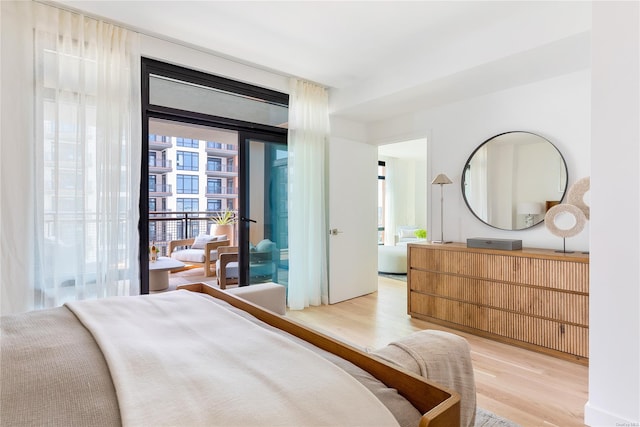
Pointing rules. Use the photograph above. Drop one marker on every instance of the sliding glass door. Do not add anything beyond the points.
(213, 145)
(263, 210)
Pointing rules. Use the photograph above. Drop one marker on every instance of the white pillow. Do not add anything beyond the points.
(202, 240)
(221, 237)
(407, 232)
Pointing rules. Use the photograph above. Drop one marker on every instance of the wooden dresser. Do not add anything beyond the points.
(534, 298)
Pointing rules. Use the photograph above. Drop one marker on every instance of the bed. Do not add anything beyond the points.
(202, 356)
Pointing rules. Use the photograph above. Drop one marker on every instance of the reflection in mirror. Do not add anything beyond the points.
(511, 180)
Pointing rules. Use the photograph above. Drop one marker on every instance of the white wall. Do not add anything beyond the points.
(614, 303)
(557, 109)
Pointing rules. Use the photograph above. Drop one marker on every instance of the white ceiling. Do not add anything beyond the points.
(379, 58)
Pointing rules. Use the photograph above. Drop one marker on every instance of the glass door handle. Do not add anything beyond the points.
(243, 219)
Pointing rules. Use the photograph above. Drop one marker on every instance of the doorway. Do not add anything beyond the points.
(404, 199)
(263, 210)
(204, 136)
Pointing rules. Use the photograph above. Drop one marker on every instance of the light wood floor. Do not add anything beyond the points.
(528, 388)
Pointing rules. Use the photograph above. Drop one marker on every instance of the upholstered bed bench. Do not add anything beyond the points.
(267, 295)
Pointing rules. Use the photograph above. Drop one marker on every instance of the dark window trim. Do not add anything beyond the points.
(244, 138)
(153, 66)
(150, 66)
(177, 115)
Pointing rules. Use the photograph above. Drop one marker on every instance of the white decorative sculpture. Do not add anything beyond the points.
(576, 193)
(578, 226)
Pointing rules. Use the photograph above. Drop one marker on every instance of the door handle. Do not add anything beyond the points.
(243, 219)
(334, 232)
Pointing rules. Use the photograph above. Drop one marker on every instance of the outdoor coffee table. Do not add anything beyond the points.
(159, 272)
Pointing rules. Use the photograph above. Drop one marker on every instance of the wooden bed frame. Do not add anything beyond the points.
(440, 407)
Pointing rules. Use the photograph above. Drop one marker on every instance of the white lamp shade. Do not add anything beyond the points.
(529, 208)
(441, 179)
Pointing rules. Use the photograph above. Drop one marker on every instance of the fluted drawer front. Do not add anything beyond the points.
(555, 335)
(535, 301)
(546, 333)
(569, 276)
(469, 315)
(535, 298)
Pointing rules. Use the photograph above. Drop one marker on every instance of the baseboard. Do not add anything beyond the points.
(598, 417)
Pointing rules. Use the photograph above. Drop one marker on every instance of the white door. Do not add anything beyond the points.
(353, 240)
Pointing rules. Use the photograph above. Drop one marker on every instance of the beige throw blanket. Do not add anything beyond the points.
(215, 368)
(441, 357)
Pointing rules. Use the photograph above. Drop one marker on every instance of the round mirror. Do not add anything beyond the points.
(512, 179)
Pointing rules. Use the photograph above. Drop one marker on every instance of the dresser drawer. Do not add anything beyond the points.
(458, 312)
(530, 300)
(551, 273)
(566, 338)
(485, 321)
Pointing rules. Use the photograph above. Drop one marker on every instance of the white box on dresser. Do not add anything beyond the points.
(534, 298)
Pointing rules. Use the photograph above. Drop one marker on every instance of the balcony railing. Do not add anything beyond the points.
(159, 145)
(167, 226)
(222, 150)
(160, 190)
(160, 165)
(61, 231)
(224, 192)
(218, 170)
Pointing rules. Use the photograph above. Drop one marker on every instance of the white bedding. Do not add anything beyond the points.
(163, 376)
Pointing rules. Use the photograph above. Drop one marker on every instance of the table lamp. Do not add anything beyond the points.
(441, 179)
(529, 209)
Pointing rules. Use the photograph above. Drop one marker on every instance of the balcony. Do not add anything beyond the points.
(222, 170)
(160, 190)
(160, 166)
(221, 150)
(222, 192)
(160, 143)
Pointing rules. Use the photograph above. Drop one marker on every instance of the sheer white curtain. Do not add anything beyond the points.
(308, 230)
(390, 196)
(74, 152)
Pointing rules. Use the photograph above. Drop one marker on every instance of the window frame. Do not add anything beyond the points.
(181, 181)
(181, 164)
(150, 67)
